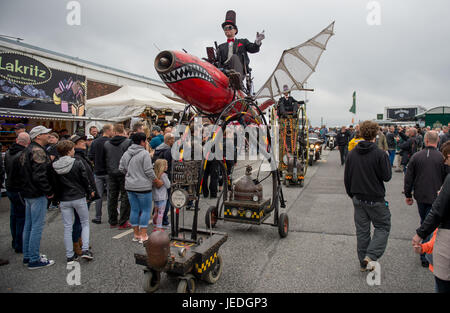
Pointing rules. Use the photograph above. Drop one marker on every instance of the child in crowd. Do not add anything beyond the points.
(160, 195)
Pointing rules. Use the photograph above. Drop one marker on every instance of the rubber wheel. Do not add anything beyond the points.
(213, 213)
(216, 271)
(151, 281)
(310, 161)
(302, 183)
(183, 286)
(283, 225)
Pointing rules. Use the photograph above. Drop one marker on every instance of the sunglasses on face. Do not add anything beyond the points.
(229, 27)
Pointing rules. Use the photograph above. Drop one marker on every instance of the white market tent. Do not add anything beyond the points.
(127, 102)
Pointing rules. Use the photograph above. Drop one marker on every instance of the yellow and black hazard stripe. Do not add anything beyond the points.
(241, 213)
(207, 264)
(181, 244)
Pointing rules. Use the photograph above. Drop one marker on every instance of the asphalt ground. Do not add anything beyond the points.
(318, 255)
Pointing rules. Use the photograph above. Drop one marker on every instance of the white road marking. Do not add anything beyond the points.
(123, 234)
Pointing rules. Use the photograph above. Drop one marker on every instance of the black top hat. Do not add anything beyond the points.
(230, 19)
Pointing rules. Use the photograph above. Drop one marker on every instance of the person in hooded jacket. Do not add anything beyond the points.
(114, 150)
(13, 188)
(366, 169)
(81, 154)
(136, 164)
(73, 188)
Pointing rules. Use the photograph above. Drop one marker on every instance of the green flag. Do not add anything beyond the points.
(353, 108)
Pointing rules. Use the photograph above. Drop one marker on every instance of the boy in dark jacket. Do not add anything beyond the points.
(366, 169)
(73, 188)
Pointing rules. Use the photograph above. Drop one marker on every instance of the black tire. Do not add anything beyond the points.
(283, 225)
(310, 161)
(216, 270)
(302, 183)
(211, 212)
(183, 286)
(151, 281)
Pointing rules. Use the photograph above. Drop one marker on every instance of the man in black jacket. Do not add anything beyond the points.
(408, 147)
(366, 170)
(232, 54)
(97, 155)
(287, 105)
(424, 176)
(13, 188)
(37, 188)
(114, 149)
(342, 140)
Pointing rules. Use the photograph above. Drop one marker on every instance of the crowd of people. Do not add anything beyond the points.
(47, 170)
(131, 169)
(424, 158)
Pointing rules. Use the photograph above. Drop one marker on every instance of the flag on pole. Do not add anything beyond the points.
(353, 108)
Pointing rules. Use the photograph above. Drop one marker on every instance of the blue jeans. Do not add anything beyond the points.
(391, 156)
(35, 211)
(17, 219)
(101, 183)
(76, 228)
(141, 205)
(67, 209)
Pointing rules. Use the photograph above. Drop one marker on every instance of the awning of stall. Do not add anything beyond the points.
(17, 113)
(129, 101)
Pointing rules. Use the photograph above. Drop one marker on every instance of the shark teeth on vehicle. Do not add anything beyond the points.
(187, 71)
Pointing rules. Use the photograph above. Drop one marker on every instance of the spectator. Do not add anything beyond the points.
(97, 155)
(391, 143)
(89, 140)
(136, 165)
(356, 139)
(114, 150)
(53, 139)
(439, 216)
(164, 151)
(157, 137)
(424, 176)
(408, 147)
(161, 193)
(36, 189)
(445, 137)
(13, 188)
(366, 169)
(64, 134)
(138, 127)
(381, 141)
(19, 128)
(342, 139)
(93, 131)
(2, 168)
(73, 188)
(80, 154)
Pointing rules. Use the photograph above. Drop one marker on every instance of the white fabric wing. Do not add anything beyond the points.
(296, 65)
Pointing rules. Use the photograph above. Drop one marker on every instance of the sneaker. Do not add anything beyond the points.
(367, 264)
(43, 262)
(72, 259)
(127, 225)
(26, 261)
(142, 240)
(96, 221)
(136, 239)
(87, 255)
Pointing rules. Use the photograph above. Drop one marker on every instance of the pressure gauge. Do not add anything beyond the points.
(179, 198)
(255, 198)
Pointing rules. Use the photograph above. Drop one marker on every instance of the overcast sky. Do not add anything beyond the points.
(403, 61)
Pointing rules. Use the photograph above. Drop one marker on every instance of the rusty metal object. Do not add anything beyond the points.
(158, 249)
(246, 189)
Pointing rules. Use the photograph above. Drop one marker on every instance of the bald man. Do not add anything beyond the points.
(13, 187)
(425, 175)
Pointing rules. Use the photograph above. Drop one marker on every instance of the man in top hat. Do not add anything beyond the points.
(232, 54)
(287, 105)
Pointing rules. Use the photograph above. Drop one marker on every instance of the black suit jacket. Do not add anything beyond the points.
(240, 47)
